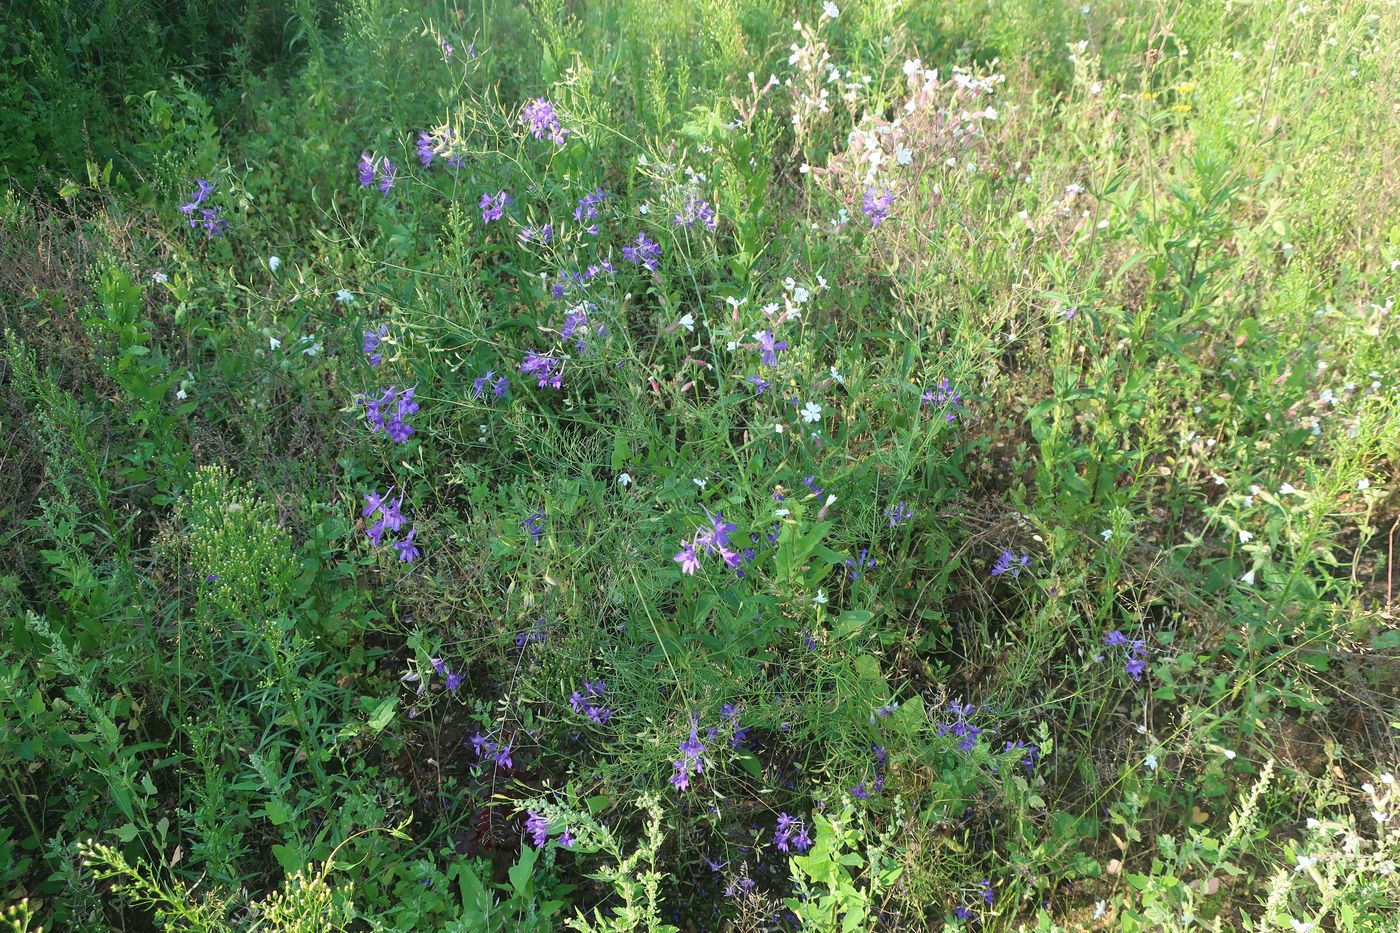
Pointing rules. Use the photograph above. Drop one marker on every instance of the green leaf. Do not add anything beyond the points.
(383, 714)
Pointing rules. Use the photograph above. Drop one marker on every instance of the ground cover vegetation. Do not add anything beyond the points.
(715, 465)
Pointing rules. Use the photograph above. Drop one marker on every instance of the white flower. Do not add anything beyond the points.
(1246, 536)
(1286, 489)
(180, 392)
(643, 208)
(778, 428)
(1380, 816)
(1363, 484)
(698, 482)
(781, 513)
(811, 412)
(735, 303)
(344, 297)
(1106, 533)
(830, 9)
(688, 322)
(624, 479)
(1151, 762)
(273, 343)
(1304, 863)
(820, 598)
(312, 345)
(903, 155)
(1299, 926)
(1100, 909)
(1248, 578)
(160, 278)
(836, 374)
(274, 263)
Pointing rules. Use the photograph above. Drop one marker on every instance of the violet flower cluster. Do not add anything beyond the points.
(451, 679)
(855, 566)
(380, 169)
(493, 206)
(696, 208)
(645, 252)
(709, 541)
(877, 205)
(210, 218)
(538, 828)
(899, 514)
(960, 727)
(791, 833)
(546, 370)
(371, 341)
(490, 382)
(587, 209)
(1008, 562)
(944, 396)
(1134, 654)
(543, 121)
(690, 761)
(390, 519)
(499, 754)
(389, 412)
(591, 702)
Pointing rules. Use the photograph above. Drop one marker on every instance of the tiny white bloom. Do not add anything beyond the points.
(830, 501)
(623, 479)
(1380, 816)
(1363, 484)
(1246, 536)
(830, 9)
(1151, 762)
(643, 208)
(811, 412)
(273, 343)
(1304, 863)
(778, 428)
(781, 513)
(180, 392)
(688, 322)
(698, 482)
(274, 263)
(836, 374)
(820, 598)
(1286, 489)
(903, 155)
(1106, 533)
(1248, 578)
(1100, 909)
(1300, 926)
(313, 346)
(344, 297)
(160, 278)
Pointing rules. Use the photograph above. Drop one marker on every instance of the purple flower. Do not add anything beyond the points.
(645, 252)
(988, 894)
(542, 119)
(768, 348)
(944, 395)
(538, 828)
(877, 205)
(687, 559)
(696, 208)
(427, 149)
(502, 758)
(544, 368)
(587, 209)
(680, 779)
(962, 913)
(899, 514)
(692, 747)
(533, 524)
(447, 50)
(387, 173)
(482, 745)
(454, 681)
(408, 551)
(1135, 667)
(366, 170)
(855, 566)
(543, 234)
(373, 502)
(791, 833)
(399, 405)
(389, 512)
(371, 341)
(1008, 562)
(493, 207)
(566, 839)
(759, 383)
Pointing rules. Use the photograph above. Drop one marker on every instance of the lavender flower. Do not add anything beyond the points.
(502, 758)
(543, 234)
(366, 170)
(427, 150)
(542, 119)
(960, 727)
(371, 341)
(791, 833)
(696, 208)
(946, 396)
(857, 565)
(587, 209)
(877, 205)
(387, 173)
(583, 702)
(899, 514)
(1008, 562)
(1135, 657)
(687, 559)
(544, 368)
(645, 253)
(454, 681)
(533, 524)
(408, 551)
(493, 207)
(447, 50)
(538, 828)
(768, 347)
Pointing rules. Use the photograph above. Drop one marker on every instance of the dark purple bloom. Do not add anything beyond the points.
(482, 745)
(408, 551)
(988, 894)
(1008, 562)
(768, 347)
(544, 368)
(454, 681)
(759, 383)
(534, 524)
(493, 207)
(447, 50)
(427, 149)
(538, 828)
(899, 514)
(645, 252)
(587, 209)
(502, 758)
(566, 839)
(387, 173)
(371, 341)
(877, 205)
(366, 170)
(1115, 637)
(373, 502)
(791, 833)
(855, 566)
(543, 234)
(696, 208)
(542, 119)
